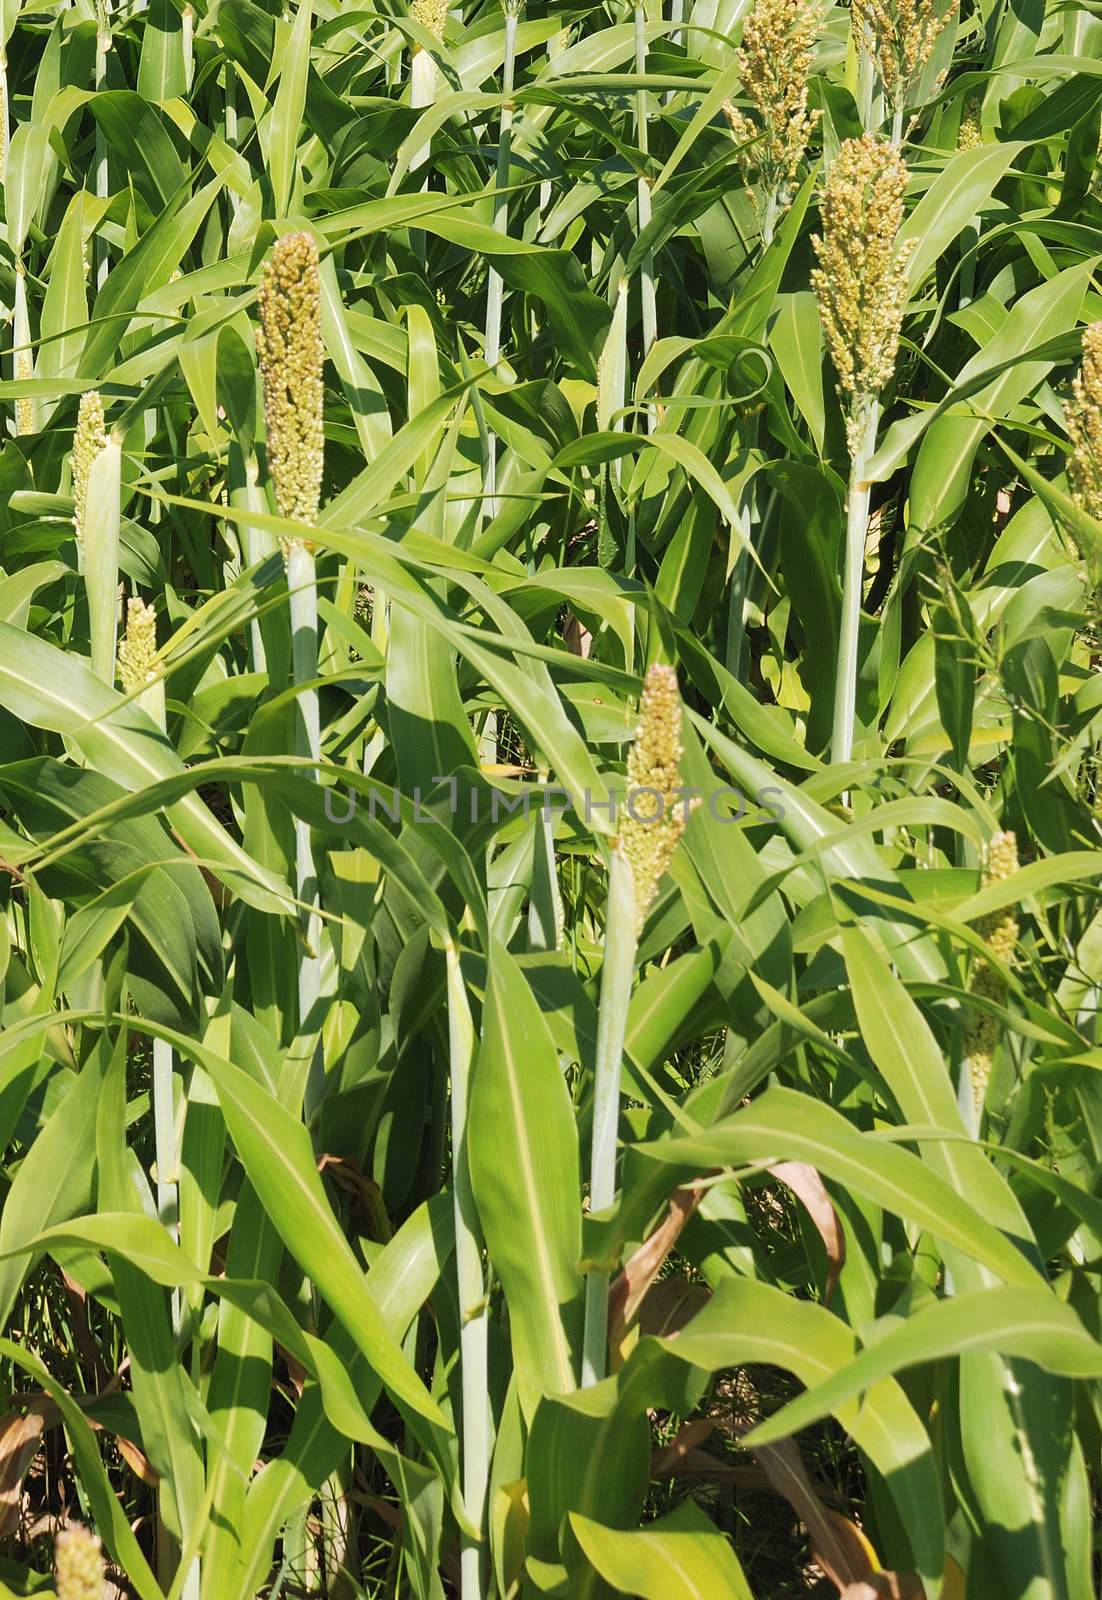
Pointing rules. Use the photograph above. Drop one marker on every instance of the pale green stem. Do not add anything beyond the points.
(677, 15)
(302, 587)
(165, 1142)
(473, 1320)
(643, 202)
(769, 219)
(616, 976)
(187, 43)
(494, 285)
(258, 544)
(229, 107)
(422, 93)
(101, 557)
(5, 121)
(857, 524)
(969, 236)
(897, 126)
(103, 189)
(554, 50)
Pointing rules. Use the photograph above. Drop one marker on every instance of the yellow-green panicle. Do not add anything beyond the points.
(861, 279)
(775, 56)
(78, 1564)
(1083, 420)
(655, 811)
(1000, 931)
(289, 345)
(431, 14)
(89, 439)
(901, 35)
(138, 647)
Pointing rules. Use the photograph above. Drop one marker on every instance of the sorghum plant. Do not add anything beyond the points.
(775, 57)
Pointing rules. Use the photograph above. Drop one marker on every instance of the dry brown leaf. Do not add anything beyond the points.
(840, 1560)
(670, 1304)
(630, 1286)
(576, 636)
(689, 1435)
(20, 1436)
(810, 1190)
(137, 1461)
(366, 1193)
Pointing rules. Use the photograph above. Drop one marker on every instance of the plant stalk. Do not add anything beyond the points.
(769, 218)
(101, 557)
(187, 43)
(473, 1319)
(494, 284)
(616, 976)
(302, 587)
(857, 523)
(422, 93)
(643, 202)
(103, 186)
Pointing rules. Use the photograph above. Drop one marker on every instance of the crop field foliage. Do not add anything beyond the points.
(549, 849)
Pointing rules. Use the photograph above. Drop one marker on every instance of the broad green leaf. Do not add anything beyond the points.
(681, 1556)
(525, 1171)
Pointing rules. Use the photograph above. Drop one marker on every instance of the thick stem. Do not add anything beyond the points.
(494, 285)
(187, 43)
(897, 126)
(103, 188)
(302, 586)
(643, 202)
(101, 557)
(258, 544)
(422, 93)
(473, 1320)
(857, 523)
(616, 976)
(165, 1147)
(769, 218)
(5, 120)
(229, 106)
(969, 237)
(555, 47)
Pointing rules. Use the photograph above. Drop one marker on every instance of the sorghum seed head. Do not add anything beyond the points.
(89, 438)
(970, 133)
(1083, 420)
(653, 823)
(24, 406)
(901, 35)
(289, 346)
(999, 929)
(861, 279)
(431, 14)
(138, 646)
(78, 1564)
(775, 56)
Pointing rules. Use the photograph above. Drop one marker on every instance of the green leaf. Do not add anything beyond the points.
(1031, 1323)
(681, 1556)
(525, 1172)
